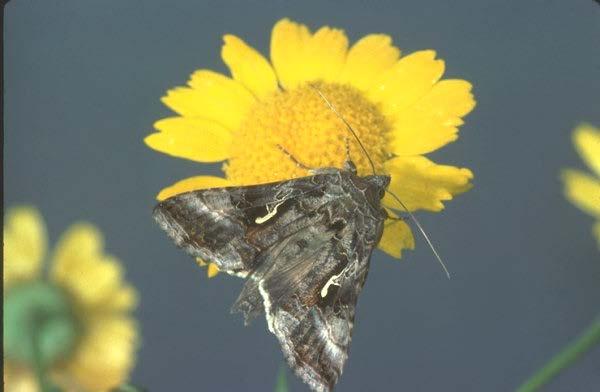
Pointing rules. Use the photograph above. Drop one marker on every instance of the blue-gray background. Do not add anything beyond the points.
(82, 86)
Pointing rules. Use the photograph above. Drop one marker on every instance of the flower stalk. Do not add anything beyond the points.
(38, 366)
(281, 384)
(570, 354)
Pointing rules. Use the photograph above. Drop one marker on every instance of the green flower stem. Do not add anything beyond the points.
(128, 388)
(588, 339)
(40, 371)
(281, 385)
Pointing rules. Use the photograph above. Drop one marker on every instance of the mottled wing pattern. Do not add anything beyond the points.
(304, 246)
(313, 320)
(219, 224)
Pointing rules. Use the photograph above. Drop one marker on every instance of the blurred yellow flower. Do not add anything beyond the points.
(583, 189)
(399, 107)
(73, 323)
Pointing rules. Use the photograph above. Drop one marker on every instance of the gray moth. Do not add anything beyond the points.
(304, 248)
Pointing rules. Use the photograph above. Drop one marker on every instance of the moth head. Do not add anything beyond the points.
(350, 166)
(377, 185)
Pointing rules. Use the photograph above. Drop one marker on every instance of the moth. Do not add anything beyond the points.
(304, 246)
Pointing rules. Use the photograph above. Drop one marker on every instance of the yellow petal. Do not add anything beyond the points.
(123, 299)
(18, 378)
(300, 57)
(422, 184)
(212, 270)
(211, 96)
(396, 237)
(105, 354)
(583, 191)
(79, 244)
(587, 141)
(288, 43)
(432, 121)
(326, 54)
(94, 279)
(196, 139)
(94, 282)
(24, 244)
(191, 184)
(408, 80)
(368, 59)
(248, 66)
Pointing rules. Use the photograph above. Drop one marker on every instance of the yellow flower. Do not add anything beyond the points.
(75, 321)
(399, 107)
(583, 189)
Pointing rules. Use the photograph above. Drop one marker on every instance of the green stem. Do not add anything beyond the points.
(571, 353)
(128, 388)
(39, 368)
(281, 385)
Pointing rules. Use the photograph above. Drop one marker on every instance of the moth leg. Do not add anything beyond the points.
(293, 159)
(397, 218)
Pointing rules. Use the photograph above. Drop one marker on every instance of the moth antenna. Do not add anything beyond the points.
(423, 233)
(410, 214)
(334, 110)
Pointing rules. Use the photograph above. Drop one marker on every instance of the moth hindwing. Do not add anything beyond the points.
(304, 247)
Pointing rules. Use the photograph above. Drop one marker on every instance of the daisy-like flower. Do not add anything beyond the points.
(69, 327)
(398, 106)
(583, 189)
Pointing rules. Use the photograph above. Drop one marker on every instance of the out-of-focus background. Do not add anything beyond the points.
(82, 86)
